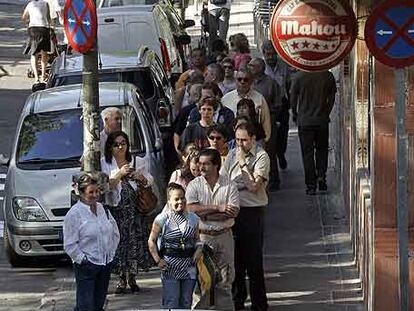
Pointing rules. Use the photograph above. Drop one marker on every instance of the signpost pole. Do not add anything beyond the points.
(401, 86)
(90, 115)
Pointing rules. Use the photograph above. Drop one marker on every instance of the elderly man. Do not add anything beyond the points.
(215, 199)
(279, 71)
(112, 118)
(272, 92)
(215, 74)
(244, 81)
(248, 166)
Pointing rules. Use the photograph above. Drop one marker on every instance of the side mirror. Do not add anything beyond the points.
(188, 23)
(4, 160)
(183, 39)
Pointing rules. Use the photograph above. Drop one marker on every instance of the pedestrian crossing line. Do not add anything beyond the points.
(1, 228)
(1, 187)
(3, 176)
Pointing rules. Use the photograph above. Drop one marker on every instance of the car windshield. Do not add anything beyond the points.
(141, 78)
(50, 140)
(110, 3)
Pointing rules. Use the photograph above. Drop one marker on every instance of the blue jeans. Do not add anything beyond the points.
(91, 286)
(177, 294)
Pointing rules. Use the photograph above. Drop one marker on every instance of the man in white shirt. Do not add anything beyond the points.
(112, 118)
(248, 166)
(215, 199)
(244, 81)
(218, 19)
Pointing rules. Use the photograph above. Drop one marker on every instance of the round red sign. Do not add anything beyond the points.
(313, 35)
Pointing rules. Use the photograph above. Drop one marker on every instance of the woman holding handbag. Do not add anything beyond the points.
(124, 180)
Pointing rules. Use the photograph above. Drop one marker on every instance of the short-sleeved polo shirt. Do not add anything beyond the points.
(258, 163)
(224, 192)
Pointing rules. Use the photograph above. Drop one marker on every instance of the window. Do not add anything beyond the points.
(51, 140)
(137, 135)
(140, 78)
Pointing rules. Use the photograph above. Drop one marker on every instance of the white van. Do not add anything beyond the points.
(126, 27)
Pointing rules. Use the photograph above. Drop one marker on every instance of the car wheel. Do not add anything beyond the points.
(14, 259)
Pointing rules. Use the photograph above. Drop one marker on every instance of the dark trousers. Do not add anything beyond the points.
(91, 286)
(314, 142)
(282, 117)
(271, 149)
(248, 258)
(218, 21)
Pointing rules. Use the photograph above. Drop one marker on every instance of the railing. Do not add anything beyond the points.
(262, 14)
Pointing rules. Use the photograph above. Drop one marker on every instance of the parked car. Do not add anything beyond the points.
(143, 69)
(46, 154)
(125, 25)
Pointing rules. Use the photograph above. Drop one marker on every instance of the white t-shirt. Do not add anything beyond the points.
(54, 8)
(219, 6)
(37, 10)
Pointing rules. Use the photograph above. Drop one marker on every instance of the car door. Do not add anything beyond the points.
(111, 32)
(152, 159)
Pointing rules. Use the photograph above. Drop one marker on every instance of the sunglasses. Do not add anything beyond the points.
(212, 137)
(227, 67)
(120, 144)
(246, 80)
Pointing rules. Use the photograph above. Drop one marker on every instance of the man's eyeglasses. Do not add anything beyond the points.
(120, 144)
(213, 137)
(246, 80)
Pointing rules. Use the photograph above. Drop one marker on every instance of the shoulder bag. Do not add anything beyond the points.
(146, 200)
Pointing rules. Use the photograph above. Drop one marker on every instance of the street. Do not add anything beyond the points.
(20, 289)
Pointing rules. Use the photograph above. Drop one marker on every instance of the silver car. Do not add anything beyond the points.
(45, 156)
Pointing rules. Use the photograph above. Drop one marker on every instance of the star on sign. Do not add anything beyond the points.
(305, 44)
(326, 47)
(295, 45)
(316, 45)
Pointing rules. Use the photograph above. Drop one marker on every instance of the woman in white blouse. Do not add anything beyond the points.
(124, 180)
(91, 238)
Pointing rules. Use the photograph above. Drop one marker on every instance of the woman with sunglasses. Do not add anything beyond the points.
(189, 166)
(124, 180)
(229, 82)
(217, 137)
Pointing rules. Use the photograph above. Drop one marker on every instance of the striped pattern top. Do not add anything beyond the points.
(178, 231)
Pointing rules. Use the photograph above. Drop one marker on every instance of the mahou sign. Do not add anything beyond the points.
(313, 35)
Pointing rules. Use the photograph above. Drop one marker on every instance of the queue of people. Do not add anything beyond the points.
(230, 134)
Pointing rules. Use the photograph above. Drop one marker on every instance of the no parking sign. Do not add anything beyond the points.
(389, 33)
(80, 24)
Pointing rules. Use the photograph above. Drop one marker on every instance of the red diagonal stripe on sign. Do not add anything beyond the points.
(79, 21)
(400, 31)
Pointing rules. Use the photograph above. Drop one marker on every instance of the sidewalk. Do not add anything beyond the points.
(308, 255)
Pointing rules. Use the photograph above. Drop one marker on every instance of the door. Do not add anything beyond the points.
(110, 32)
